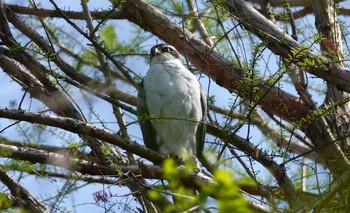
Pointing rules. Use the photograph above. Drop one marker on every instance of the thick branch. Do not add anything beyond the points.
(97, 173)
(282, 44)
(209, 61)
(83, 128)
(80, 165)
(91, 168)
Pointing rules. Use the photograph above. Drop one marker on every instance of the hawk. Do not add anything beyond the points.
(172, 107)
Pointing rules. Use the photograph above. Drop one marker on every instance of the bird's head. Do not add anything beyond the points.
(163, 52)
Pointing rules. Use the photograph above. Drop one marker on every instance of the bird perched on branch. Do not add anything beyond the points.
(172, 107)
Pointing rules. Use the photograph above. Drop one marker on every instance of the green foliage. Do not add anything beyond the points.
(24, 166)
(306, 61)
(20, 210)
(74, 147)
(318, 38)
(106, 150)
(226, 192)
(321, 112)
(171, 171)
(5, 202)
(5, 152)
(16, 48)
(223, 188)
(109, 37)
(211, 100)
(183, 196)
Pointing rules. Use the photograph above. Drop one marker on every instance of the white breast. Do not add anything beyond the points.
(173, 95)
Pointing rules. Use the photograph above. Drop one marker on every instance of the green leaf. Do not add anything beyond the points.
(5, 202)
(171, 171)
(109, 37)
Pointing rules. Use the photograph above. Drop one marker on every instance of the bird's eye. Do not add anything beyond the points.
(167, 49)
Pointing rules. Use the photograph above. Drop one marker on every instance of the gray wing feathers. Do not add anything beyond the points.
(147, 129)
(201, 127)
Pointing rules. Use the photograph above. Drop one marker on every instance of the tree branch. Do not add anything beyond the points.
(83, 128)
(91, 168)
(275, 169)
(282, 44)
(222, 71)
(338, 185)
(70, 14)
(23, 196)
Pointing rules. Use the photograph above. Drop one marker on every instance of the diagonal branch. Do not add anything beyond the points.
(282, 44)
(82, 166)
(275, 169)
(221, 70)
(227, 74)
(96, 169)
(340, 184)
(55, 98)
(83, 128)
(99, 173)
(23, 196)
